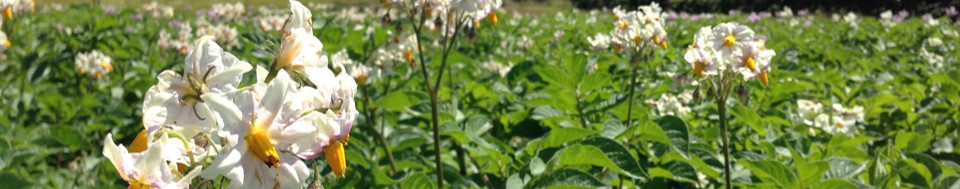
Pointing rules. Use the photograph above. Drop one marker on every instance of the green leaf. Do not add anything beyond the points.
(843, 168)
(682, 171)
(749, 117)
(811, 172)
(836, 184)
(558, 137)
(570, 177)
(13, 181)
(914, 172)
(772, 172)
(418, 180)
(928, 162)
(677, 131)
(912, 142)
(618, 154)
(399, 101)
(578, 154)
(537, 166)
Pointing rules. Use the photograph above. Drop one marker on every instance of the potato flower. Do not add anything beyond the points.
(637, 30)
(729, 49)
(183, 103)
(94, 63)
(147, 169)
(262, 136)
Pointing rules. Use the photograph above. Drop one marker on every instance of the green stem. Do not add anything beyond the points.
(633, 81)
(433, 97)
(722, 109)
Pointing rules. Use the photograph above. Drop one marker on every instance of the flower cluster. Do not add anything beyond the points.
(835, 120)
(94, 64)
(158, 10)
(271, 23)
(181, 43)
(226, 11)
(4, 42)
(398, 50)
(19, 7)
(222, 33)
(729, 49)
(674, 105)
(257, 136)
(635, 30)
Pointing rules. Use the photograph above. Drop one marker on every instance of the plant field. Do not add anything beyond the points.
(108, 97)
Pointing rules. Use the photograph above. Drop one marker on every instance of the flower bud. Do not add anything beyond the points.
(743, 94)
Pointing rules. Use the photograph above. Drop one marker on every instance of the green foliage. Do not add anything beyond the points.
(555, 120)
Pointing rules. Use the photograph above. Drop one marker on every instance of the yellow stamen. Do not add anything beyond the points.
(728, 41)
(408, 54)
(335, 159)
(637, 40)
(107, 66)
(617, 47)
(476, 24)
(623, 25)
(6, 43)
(698, 68)
(493, 18)
(8, 12)
(385, 3)
(138, 185)
(750, 63)
(260, 145)
(140, 143)
(840, 124)
(764, 78)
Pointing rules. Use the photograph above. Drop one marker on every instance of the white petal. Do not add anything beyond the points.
(115, 155)
(272, 101)
(230, 78)
(227, 110)
(152, 159)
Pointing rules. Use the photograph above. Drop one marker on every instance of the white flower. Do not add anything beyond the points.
(262, 136)
(158, 10)
(301, 51)
(599, 41)
(300, 18)
(636, 30)
(943, 145)
(806, 110)
(147, 169)
(183, 103)
(94, 63)
(702, 61)
(271, 23)
(729, 39)
(852, 19)
(670, 105)
(755, 60)
(498, 68)
(476, 9)
(228, 11)
(886, 19)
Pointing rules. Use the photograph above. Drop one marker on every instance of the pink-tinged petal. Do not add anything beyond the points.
(152, 160)
(115, 155)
